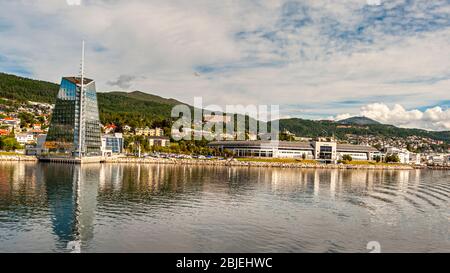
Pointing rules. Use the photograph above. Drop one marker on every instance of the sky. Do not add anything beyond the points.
(316, 59)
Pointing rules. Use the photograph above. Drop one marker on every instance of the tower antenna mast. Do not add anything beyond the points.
(81, 118)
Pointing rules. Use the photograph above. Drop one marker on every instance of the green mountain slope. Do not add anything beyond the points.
(138, 95)
(358, 121)
(141, 109)
(311, 128)
(135, 108)
(23, 89)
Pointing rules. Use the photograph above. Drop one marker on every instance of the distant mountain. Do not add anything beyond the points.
(139, 109)
(358, 121)
(316, 128)
(138, 95)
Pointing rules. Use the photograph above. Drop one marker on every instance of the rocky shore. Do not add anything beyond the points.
(200, 162)
(234, 163)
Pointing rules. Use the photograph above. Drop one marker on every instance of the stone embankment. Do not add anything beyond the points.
(252, 164)
(18, 158)
(234, 163)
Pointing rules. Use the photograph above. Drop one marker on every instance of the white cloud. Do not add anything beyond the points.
(434, 118)
(308, 56)
(341, 116)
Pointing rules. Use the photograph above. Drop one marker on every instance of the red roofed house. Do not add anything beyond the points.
(110, 128)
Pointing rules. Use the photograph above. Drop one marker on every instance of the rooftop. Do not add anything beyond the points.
(77, 80)
(159, 137)
(303, 145)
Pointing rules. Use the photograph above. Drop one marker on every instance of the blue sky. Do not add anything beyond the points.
(315, 58)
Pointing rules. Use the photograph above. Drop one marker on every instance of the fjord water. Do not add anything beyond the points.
(171, 208)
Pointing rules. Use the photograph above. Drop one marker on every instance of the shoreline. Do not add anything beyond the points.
(299, 165)
(11, 158)
(225, 163)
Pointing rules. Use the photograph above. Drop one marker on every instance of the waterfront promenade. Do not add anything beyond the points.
(229, 163)
(235, 163)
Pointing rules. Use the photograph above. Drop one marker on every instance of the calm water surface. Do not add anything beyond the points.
(157, 208)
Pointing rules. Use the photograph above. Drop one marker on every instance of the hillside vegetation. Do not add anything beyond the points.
(142, 109)
(311, 128)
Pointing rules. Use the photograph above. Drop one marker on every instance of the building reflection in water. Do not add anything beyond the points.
(333, 182)
(78, 201)
(72, 198)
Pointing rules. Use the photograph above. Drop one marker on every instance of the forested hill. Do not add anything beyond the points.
(23, 89)
(314, 128)
(134, 108)
(141, 109)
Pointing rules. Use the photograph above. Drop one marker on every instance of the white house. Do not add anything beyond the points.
(162, 141)
(415, 158)
(403, 154)
(25, 138)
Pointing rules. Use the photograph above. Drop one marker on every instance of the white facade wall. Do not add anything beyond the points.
(354, 155)
(24, 138)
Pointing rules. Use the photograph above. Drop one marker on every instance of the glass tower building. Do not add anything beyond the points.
(75, 122)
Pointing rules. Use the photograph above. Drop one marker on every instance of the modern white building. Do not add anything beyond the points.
(323, 151)
(39, 148)
(112, 144)
(25, 138)
(403, 154)
(415, 158)
(438, 159)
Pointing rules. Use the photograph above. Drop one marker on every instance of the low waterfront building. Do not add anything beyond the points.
(357, 152)
(415, 158)
(112, 144)
(438, 159)
(323, 151)
(403, 154)
(161, 141)
(39, 148)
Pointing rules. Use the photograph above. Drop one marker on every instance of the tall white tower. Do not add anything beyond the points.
(81, 117)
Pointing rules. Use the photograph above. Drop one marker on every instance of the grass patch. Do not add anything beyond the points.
(10, 153)
(362, 162)
(276, 160)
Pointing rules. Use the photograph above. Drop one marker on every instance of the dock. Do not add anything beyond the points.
(73, 160)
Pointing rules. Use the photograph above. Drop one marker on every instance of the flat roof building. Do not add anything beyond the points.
(324, 151)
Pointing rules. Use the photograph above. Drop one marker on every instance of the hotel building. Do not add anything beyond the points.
(75, 122)
(112, 144)
(75, 129)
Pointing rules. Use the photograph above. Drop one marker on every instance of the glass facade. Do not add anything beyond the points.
(326, 152)
(113, 143)
(64, 133)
